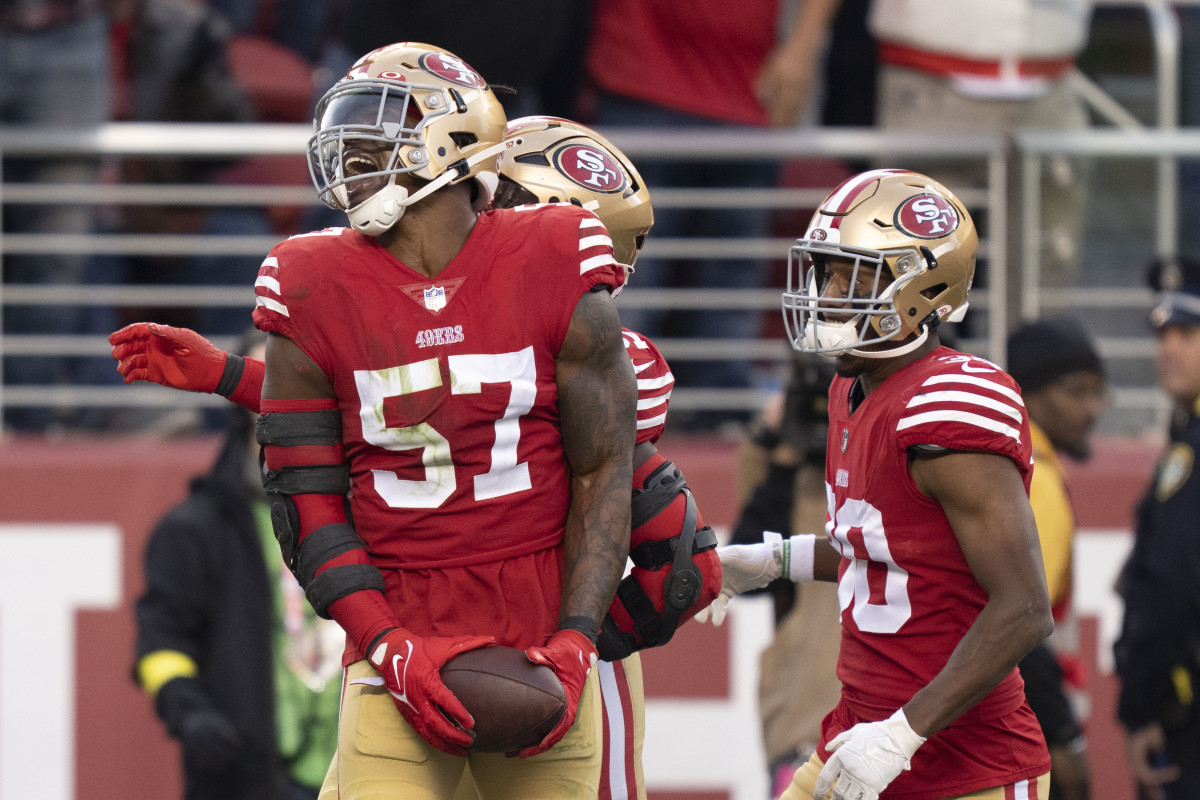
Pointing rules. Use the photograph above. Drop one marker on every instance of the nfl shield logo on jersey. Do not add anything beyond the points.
(435, 298)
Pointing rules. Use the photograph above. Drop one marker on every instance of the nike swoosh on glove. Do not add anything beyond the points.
(868, 757)
(744, 567)
(571, 655)
(411, 669)
(162, 354)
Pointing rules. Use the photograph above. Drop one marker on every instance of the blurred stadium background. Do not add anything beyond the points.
(79, 494)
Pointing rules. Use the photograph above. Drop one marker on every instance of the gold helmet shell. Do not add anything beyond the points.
(912, 240)
(408, 108)
(553, 160)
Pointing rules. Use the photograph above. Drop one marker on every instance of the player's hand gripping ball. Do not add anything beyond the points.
(515, 703)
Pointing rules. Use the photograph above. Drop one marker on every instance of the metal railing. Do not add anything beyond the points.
(208, 141)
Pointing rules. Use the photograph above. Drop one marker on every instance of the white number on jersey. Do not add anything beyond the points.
(469, 372)
(857, 531)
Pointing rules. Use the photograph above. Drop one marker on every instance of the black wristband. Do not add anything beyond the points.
(232, 376)
(375, 642)
(583, 625)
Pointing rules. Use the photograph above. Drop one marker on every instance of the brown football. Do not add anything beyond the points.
(515, 702)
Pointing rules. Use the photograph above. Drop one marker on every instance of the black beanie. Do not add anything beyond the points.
(1039, 353)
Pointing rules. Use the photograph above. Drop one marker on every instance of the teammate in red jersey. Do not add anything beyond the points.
(548, 160)
(930, 535)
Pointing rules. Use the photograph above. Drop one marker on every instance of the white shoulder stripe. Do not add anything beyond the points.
(268, 282)
(651, 402)
(655, 383)
(598, 240)
(270, 261)
(596, 261)
(652, 422)
(959, 416)
(966, 397)
(273, 305)
(590, 222)
(981, 382)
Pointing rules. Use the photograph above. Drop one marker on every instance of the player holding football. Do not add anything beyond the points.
(931, 538)
(462, 376)
(548, 160)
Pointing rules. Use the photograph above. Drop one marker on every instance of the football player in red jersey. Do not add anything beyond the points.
(548, 160)
(462, 376)
(930, 535)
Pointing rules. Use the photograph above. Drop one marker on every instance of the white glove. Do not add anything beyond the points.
(868, 757)
(745, 567)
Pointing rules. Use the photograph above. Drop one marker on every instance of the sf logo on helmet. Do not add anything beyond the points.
(452, 69)
(591, 168)
(926, 216)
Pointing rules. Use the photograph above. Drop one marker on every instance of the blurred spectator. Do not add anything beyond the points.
(850, 59)
(1158, 652)
(781, 467)
(54, 72)
(302, 26)
(533, 47)
(182, 63)
(1062, 382)
(992, 67)
(714, 72)
(242, 671)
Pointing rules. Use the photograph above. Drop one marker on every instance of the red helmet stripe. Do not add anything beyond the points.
(844, 196)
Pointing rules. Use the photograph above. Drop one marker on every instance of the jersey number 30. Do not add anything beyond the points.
(873, 586)
(504, 476)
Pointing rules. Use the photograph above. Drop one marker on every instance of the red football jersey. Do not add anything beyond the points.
(654, 385)
(446, 387)
(906, 593)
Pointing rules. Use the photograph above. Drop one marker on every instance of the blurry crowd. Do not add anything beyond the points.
(777, 63)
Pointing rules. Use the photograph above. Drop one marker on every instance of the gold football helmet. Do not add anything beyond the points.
(406, 108)
(911, 245)
(552, 160)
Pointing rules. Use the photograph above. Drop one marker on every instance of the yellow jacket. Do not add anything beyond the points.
(1052, 511)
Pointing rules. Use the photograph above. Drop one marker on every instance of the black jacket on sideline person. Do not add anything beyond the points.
(207, 596)
(1158, 653)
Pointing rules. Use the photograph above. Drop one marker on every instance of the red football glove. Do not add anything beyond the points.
(411, 669)
(571, 655)
(175, 357)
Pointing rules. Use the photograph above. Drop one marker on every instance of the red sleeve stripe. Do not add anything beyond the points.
(970, 398)
(967, 418)
(304, 456)
(271, 405)
(980, 382)
(318, 510)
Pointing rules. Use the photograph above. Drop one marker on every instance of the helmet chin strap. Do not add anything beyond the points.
(382, 210)
(893, 351)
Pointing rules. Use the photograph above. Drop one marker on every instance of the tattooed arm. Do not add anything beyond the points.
(597, 399)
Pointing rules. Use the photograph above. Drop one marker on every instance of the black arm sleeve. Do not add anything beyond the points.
(770, 509)
(1044, 691)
